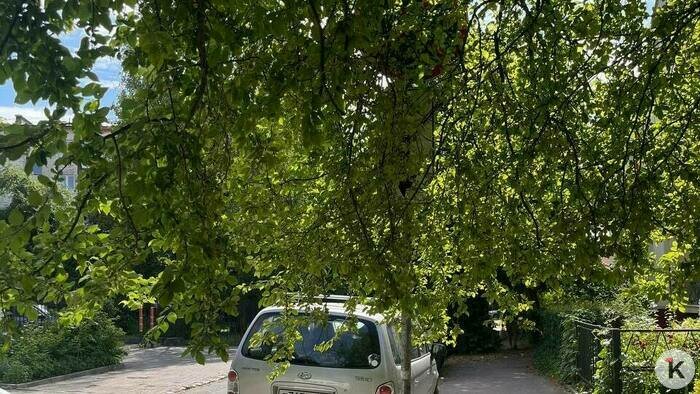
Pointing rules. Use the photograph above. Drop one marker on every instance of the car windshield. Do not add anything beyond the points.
(357, 347)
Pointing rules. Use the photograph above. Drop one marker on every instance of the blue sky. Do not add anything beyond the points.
(107, 69)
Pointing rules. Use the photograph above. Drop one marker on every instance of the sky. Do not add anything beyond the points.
(108, 70)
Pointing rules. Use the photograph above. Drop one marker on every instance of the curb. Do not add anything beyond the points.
(60, 378)
(199, 384)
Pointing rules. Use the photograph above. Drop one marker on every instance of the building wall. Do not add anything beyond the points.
(69, 176)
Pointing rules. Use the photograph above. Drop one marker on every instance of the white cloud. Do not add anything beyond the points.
(107, 63)
(111, 84)
(33, 115)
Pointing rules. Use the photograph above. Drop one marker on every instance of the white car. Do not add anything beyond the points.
(364, 360)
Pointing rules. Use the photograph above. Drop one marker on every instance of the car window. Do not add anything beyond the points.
(395, 345)
(416, 352)
(357, 348)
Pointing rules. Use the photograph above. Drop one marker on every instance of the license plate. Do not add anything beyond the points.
(284, 391)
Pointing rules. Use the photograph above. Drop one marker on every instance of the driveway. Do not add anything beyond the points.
(501, 373)
(157, 370)
(504, 372)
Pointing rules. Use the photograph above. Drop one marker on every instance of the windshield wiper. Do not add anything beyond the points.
(303, 360)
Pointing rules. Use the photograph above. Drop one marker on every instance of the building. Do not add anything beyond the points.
(69, 175)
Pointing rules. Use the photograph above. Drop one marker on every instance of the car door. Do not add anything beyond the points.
(421, 370)
(433, 374)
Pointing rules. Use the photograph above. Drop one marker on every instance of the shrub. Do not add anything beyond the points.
(555, 352)
(38, 352)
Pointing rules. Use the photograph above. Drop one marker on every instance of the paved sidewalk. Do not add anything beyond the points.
(157, 370)
(504, 372)
(162, 370)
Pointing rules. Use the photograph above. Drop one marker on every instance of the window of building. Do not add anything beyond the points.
(69, 181)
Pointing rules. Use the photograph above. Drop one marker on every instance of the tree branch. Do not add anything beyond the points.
(83, 202)
(203, 64)
(121, 192)
(25, 141)
(9, 29)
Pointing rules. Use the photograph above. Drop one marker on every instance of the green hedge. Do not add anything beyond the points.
(555, 352)
(38, 352)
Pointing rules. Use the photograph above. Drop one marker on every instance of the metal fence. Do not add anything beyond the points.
(588, 339)
(647, 345)
(43, 315)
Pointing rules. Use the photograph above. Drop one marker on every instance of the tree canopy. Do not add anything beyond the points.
(403, 152)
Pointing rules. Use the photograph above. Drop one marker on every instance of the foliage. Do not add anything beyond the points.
(39, 352)
(669, 271)
(643, 351)
(401, 152)
(26, 195)
(556, 351)
(557, 348)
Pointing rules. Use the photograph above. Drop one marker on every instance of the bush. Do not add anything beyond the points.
(38, 352)
(555, 352)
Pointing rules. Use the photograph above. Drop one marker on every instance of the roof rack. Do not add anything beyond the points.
(339, 299)
(330, 299)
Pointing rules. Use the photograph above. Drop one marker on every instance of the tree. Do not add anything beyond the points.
(403, 152)
(22, 196)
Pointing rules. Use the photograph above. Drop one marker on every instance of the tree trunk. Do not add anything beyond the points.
(406, 328)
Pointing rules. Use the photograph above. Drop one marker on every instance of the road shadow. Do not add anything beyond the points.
(503, 372)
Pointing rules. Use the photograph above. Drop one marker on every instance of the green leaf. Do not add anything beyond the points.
(28, 283)
(35, 198)
(44, 180)
(172, 317)
(105, 207)
(199, 357)
(32, 314)
(16, 218)
(61, 277)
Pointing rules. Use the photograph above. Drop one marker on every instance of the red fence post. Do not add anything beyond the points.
(153, 316)
(141, 319)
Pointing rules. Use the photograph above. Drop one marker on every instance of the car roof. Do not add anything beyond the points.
(335, 308)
